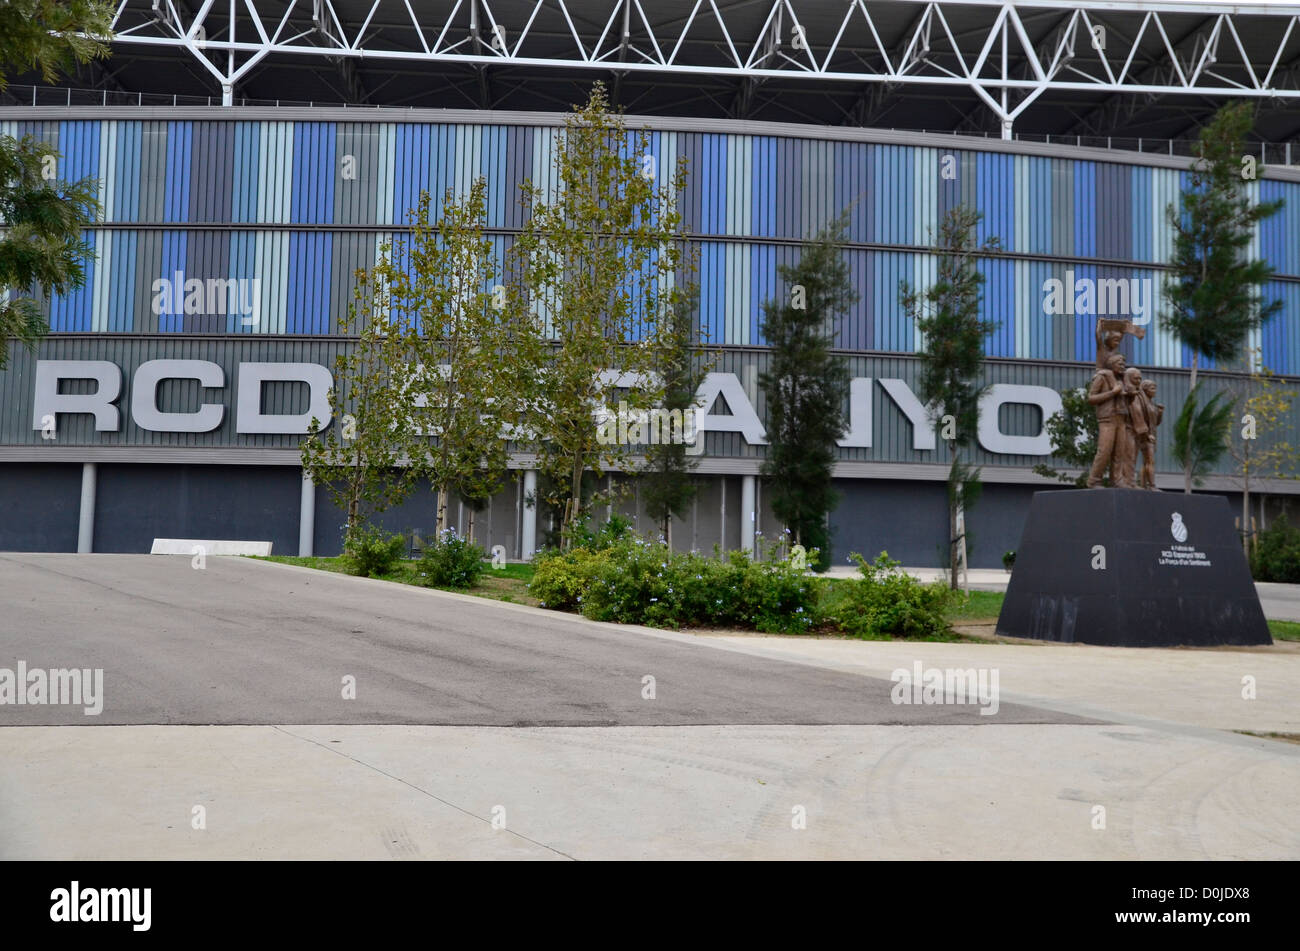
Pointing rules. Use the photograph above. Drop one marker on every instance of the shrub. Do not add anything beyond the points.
(450, 562)
(369, 552)
(633, 581)
(885, 602)
(616, 528)
(560, 577)
(773, 597)
(1277, 553)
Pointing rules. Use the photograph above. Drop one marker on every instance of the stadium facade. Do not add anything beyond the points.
(172, 393)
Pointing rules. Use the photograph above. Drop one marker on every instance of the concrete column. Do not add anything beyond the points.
(86, 524)
(528, 531)
(748, 519)
(722, 528)
(307, 517)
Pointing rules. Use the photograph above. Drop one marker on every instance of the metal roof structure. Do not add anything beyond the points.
(1091, 67)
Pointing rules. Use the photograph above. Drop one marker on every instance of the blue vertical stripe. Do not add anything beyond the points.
(1085, 209)
(79, 144)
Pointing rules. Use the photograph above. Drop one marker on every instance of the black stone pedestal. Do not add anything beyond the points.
(1132, 568)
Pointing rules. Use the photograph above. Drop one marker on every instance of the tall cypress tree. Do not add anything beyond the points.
(1213, 288)
(806, 386)
(948, 314)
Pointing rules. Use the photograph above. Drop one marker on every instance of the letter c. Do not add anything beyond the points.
(144, 396)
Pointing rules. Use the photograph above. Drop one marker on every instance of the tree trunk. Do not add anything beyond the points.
(668, 531)
(355, 486)
(952, 543)
(953, 489)
(469, 527)
(440, 522)
(574, 507)
(1245, 515)
(1187, 466)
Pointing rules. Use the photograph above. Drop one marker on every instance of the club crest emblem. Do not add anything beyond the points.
(1178, 529)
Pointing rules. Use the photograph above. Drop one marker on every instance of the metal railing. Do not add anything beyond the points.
(1270, 153)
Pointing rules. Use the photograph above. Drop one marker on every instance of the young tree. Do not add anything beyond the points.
(474, 349)
(1201, 433)
(51, 37)
(1260, 447)
(1213, 288)
(362, 459)
(1074, 434)
(597, 259)
(805, 386)
(948, 314)
(667, 483)
(41, 249)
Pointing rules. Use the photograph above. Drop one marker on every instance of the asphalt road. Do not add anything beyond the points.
(245, 642)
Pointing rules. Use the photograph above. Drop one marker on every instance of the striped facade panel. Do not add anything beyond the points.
(818, 208)
(79, 147)
(762, 287)
(1281, 336)
(788, 188)
(890, 328)
(1062, 200)
(1084, 238)
(1278, 244)
(287, 212)
(1034, 211)
(852, 189)
(893, 212)
(1114, 215)
(713, 265)
(359, 152)
(212, 177)
(995, 197)
(855, 332)
(926, 180)
(765, 187)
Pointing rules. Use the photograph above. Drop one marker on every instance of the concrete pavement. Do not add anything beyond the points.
(1281, 602)
(1255, 689)
(1117, 754)
(704, 792)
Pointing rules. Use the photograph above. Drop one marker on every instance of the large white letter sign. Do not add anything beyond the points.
(742, 420)
(251, 419)
(914, 410)
(859, 431)
(144, 396)
(49, 401)
(994, 440)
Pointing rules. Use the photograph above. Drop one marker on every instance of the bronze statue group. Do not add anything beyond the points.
(1127, 413)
